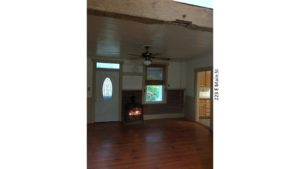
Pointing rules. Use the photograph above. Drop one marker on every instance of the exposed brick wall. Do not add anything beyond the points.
(175, 102)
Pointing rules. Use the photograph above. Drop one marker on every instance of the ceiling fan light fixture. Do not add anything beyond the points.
(147, 62)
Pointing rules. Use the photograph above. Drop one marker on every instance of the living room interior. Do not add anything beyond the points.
(149, 82)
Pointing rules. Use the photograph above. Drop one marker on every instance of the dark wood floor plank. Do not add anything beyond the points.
(154, 144)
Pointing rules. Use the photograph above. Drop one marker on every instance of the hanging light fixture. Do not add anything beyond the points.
(147, 61)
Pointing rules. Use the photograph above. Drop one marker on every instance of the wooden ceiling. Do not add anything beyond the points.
(113, 37)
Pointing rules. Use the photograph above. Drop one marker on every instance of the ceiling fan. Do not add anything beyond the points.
(148, 56)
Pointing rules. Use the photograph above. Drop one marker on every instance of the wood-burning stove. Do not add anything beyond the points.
(133, 111)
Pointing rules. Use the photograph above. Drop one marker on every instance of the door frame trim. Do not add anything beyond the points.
(211, 93)
(94, 84)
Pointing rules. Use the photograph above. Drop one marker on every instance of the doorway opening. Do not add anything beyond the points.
(203, 96)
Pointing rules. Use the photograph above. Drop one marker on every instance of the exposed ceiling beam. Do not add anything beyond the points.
(154, 12)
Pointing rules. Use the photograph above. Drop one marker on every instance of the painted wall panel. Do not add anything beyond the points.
(132, 82)
(190, 72)
(89, 77)
(176, 75)
(133, 66)
(189, 107)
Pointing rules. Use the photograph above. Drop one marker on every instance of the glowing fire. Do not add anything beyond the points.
(134, 112)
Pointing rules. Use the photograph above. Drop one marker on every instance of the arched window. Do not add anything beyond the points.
(107, 89)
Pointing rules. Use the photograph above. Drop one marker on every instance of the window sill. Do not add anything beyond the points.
(162, 102)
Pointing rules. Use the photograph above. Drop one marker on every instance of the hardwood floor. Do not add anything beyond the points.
(154, 144)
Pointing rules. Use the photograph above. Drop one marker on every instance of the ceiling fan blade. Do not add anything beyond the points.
(134, 54)
(161, 58)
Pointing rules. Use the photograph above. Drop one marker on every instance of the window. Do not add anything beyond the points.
(154, 93)
(155, 84)
(107, 65)
(155, 73)
(107, 89)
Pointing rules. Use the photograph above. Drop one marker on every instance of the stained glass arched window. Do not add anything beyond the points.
(107, 89)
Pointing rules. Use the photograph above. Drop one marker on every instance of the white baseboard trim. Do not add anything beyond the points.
(163, 116)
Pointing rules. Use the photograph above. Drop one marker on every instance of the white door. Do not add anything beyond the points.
(107, 93)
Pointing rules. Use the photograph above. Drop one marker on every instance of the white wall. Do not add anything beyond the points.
(191, 65)
(90, 110)
(132, 82)
(177, 75)
(180, 74)
(133, 75)
(190, 72)
(89, 77)
(132, 66)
